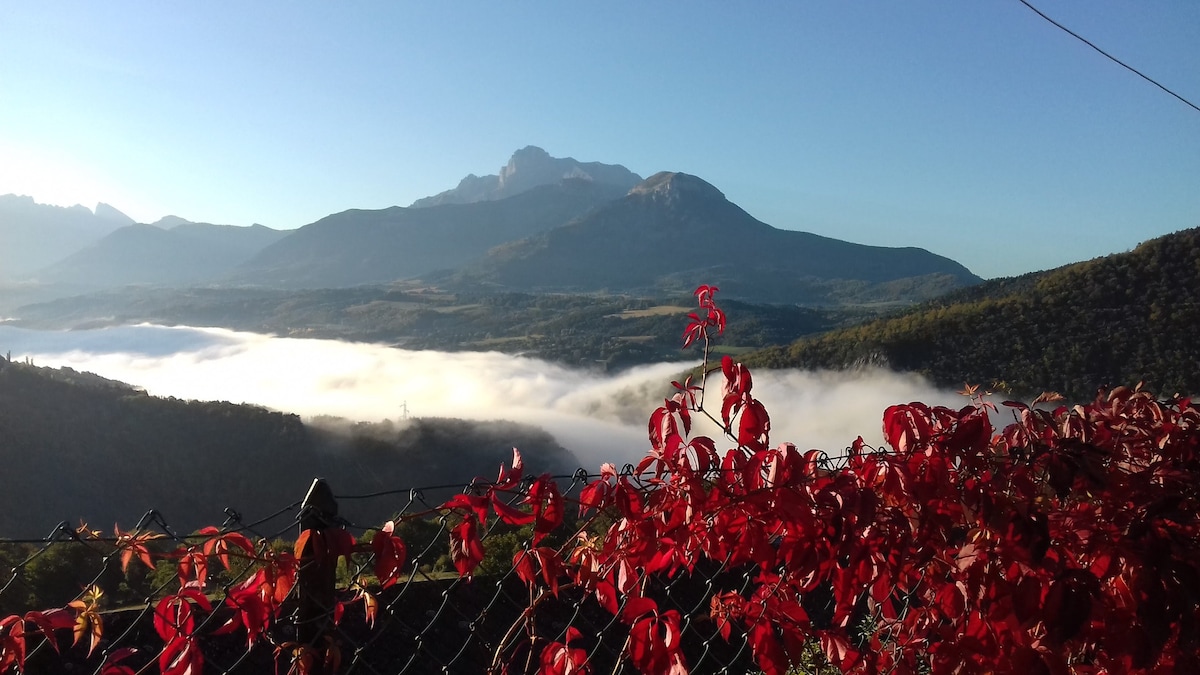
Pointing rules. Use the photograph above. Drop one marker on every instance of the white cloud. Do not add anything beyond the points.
(599, 417)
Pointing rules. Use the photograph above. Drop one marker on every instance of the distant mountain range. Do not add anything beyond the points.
(1110, 321)
(172, 251)
(363, 247)
(542, 224)
(674, 231)
(34, 235)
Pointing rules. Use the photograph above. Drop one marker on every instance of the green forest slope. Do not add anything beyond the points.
(1121, 319)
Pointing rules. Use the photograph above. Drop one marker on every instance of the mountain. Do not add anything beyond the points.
(34, 235)
(361, 247)
(85, 447)
(170, 252)
(674, 231)
(528, 168)
(1116, 320)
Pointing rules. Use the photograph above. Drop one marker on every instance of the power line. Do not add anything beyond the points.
(1114, 59)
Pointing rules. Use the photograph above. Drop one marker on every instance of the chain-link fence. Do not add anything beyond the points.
(428, 619)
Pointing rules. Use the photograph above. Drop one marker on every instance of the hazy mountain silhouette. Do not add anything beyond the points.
(371, 246)
(541, 224)
(171, 252)
(34, 235)
(528, 168)
(674, 231)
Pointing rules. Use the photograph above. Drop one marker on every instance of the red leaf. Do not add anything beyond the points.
(755, 427)
(547, 505)
(509, 514)
(174, 623)
(193, 568)
(523, 565)
(636, 606)
(110, 665)
(466, 550)
(390, 555)
(559, 659)
(12, 643)
(654, 644)
(704, 294)
(221, 544)
(595, 495)
(509, 478)
(906, 426)
(48, 622)
(606, 595)
(768, 653)
(478, 504)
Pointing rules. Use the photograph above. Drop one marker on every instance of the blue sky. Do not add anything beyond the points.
(973, 129)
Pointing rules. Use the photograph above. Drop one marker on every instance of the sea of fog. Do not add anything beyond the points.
(600, 417)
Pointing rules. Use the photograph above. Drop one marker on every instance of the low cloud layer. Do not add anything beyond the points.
(599, 417)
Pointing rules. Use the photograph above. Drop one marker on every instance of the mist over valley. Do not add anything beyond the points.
(600, 417)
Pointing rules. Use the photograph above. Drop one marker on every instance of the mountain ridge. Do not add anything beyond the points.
(377, 246)
(529, 167)
(675, 231)
(542, 224)
(185, 253)
(35, 235)
(1110, 321)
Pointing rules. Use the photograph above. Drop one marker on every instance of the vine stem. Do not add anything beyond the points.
(704, 372)
(522, 621)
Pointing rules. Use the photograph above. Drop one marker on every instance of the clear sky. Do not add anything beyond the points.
(971, 128)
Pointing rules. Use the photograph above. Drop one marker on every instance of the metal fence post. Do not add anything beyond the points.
(317, 574)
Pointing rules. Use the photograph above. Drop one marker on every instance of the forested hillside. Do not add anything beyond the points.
(75, 446)
(596, 331)
(1114, 320)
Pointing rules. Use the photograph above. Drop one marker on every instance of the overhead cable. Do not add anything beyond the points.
(1114, 59)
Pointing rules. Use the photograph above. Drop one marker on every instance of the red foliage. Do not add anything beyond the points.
(175, 623)
(1066, 542)
(560, 659)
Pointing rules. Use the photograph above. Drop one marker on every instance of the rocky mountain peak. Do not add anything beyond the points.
(528, 168)
(528, 158)
(168, 222)
(671, 186)
(110, 213)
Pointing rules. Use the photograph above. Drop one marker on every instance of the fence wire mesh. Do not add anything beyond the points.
(432, 621)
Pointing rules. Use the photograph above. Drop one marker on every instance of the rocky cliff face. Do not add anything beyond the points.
(672, 187)
(528, 168)
(35, 235)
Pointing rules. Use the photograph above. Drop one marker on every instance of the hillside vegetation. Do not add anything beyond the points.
(596, 331)
(76, 446)
(1114, 320)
